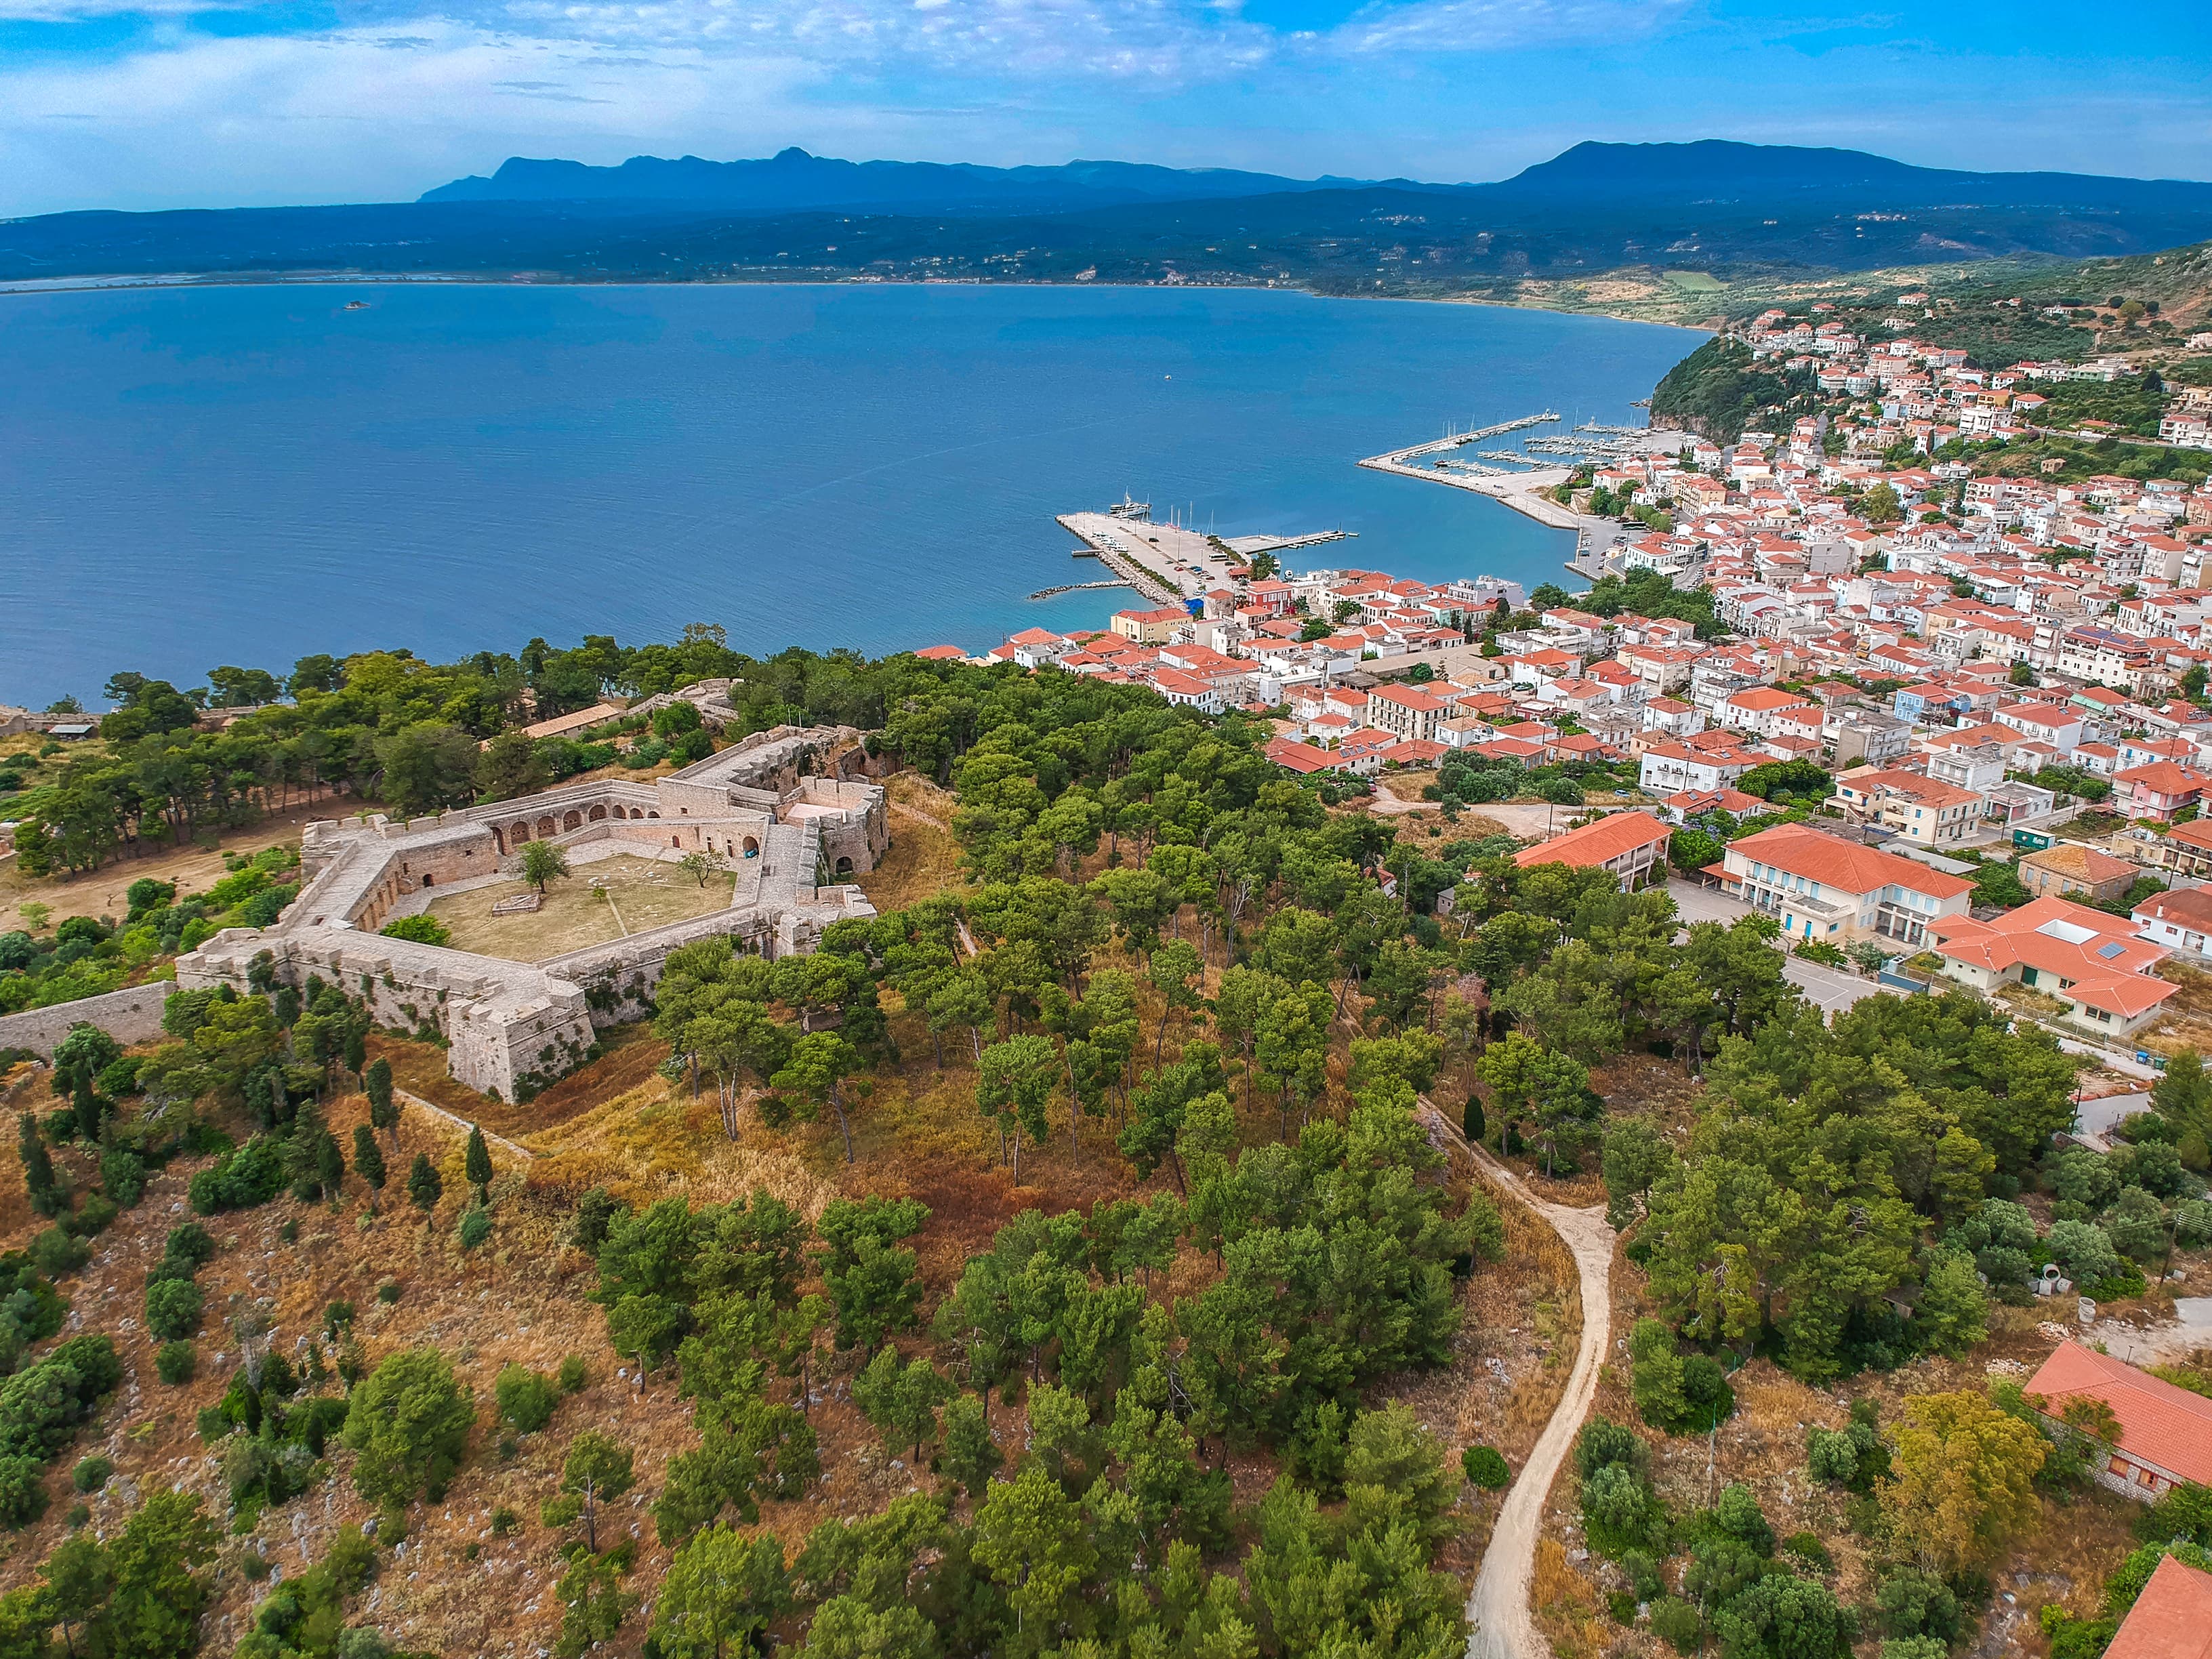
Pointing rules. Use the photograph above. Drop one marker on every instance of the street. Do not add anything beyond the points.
(1833, 990)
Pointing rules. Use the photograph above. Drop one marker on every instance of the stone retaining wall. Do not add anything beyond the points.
(132, 1015)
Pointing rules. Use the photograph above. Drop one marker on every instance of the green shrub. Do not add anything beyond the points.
(174, 1362)
(524, 1399)
(39, 1408)
(387, 1292)
(1484, 1467)
(122, 1177)
(476, 1227)
(422, 930)
(573, 1377)
(1603, 1442)
(252, 1176)
(173, 1309)
(94, 1217)
(55, 1252)
(91, 1474)
(191, 1244)
(1677, 1622)
(1806, 1546)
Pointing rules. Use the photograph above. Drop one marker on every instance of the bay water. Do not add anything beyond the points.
(198, 476)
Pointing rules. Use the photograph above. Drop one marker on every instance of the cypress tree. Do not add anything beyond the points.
(1472, 1124)
(87, 1105)
(477, 1165)
(356, 1050)
(259, 1088)
(367, 1158)
(383, 1110)
(329, 1163)
(424, 1185)
(38, 1169)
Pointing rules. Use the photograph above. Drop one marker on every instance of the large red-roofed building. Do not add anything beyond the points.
(1631, 845)
(1820, 887)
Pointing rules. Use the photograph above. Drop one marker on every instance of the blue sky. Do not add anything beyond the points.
(165, 103)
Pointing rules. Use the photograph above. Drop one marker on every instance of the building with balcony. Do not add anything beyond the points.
(1820, 887)
(1631, 845)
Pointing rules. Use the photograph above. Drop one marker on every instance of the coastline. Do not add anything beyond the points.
(122, 283)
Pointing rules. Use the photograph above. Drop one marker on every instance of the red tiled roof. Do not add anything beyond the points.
(940, 653)
(1298, 757)
(1597, 843)
(2159, 1423)
(2107, 964)
(1758, 698)
(1842, 864)
(2164, 777)
(2190, 907)
(1415, 751)
(1406, 696)
(2171, 1619)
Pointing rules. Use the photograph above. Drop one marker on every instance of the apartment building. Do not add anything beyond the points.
(1819, 887)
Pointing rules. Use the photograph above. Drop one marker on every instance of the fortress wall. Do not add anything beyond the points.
(131, 1015)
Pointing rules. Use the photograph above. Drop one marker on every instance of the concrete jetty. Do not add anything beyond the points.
(1457, 441)
(1073, 588)
(1168, 564)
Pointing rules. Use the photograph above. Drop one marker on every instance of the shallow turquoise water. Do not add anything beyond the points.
(193, 477)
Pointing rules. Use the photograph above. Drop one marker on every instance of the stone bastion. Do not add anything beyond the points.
(787, 812)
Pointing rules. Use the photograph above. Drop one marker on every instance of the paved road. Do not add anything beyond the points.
(1833, 990)
(1497, 1621)
(2095, 1119)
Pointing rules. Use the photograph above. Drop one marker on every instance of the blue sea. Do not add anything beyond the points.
(202, 476)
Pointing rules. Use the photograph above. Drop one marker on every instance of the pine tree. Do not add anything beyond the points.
(38, 1169)
(367, 1159)
(477, 1166)
(423, 1186)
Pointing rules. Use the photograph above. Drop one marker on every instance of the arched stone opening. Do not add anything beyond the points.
(844, 866)
(598, 813)
(572, 820)
(752, 847)
(545, 827)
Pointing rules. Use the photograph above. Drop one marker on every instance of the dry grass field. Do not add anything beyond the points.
(603, 900)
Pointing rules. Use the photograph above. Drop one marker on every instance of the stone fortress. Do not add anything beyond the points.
(786, 810)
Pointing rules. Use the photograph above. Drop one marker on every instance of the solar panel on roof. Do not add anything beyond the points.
(2108, 951)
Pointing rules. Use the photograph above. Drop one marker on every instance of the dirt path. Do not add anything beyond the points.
(1498, 1625)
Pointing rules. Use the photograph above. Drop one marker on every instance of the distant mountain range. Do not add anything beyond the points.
(1713, 207)
(793, 181)
(1711, 171)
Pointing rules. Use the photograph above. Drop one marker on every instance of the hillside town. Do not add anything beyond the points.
(1968, 699)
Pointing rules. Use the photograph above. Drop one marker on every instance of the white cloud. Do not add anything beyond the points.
(1476, 25)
